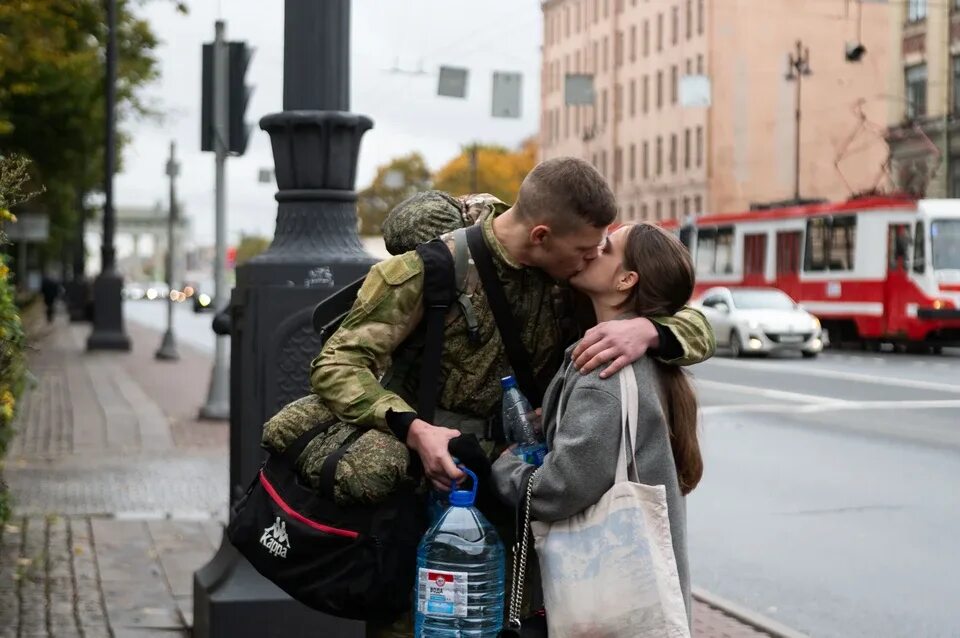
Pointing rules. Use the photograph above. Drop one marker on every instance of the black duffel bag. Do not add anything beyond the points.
(352, 562)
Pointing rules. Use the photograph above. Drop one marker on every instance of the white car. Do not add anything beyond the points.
(760, 321)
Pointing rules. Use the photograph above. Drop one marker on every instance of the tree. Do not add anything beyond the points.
(395, 181)
(52, 56)
(499, 170)
(249, 247)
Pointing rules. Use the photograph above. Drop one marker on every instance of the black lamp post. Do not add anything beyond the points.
(797, 67)
(108, 332)
(315, 252)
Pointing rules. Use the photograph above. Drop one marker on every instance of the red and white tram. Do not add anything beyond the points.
(872, 269)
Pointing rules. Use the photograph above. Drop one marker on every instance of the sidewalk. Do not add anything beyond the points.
(120, 495)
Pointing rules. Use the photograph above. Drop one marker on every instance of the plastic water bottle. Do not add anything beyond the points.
(521, 423)
(460, 573)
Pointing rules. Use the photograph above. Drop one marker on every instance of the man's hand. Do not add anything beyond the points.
(430, 442)
(621, 342)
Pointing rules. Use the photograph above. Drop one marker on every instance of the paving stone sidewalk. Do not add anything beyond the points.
(120, 495)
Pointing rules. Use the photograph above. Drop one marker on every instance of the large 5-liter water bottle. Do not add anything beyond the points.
(460, 573)
(521, 423)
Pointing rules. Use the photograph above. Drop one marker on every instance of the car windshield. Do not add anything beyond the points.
(945, 243)
(761, 300)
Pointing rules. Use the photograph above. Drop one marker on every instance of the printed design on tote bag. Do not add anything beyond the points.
(275, 538)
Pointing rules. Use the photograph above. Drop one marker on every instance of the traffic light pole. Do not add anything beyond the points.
(218, 396)
(168, 347)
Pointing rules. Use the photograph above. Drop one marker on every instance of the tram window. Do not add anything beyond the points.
(919, 255)
(815, 255)
(715, 251)
(843, 233)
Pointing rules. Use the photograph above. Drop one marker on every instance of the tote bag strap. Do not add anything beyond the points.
(629, 416)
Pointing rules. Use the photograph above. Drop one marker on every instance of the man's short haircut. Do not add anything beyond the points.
(564, 192)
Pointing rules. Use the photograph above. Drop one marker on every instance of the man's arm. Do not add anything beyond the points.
(623, 342)
(346, 372)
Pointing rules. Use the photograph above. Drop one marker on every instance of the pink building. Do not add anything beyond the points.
(666, 160)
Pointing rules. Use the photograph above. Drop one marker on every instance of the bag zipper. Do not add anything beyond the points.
(300, 517)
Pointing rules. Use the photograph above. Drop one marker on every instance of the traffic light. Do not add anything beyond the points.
(206, 100)
(239, 95)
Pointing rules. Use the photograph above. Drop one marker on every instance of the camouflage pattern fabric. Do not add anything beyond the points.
(373, 467)
(428, 215)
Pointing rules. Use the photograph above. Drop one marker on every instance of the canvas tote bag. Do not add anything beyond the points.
(610, 571)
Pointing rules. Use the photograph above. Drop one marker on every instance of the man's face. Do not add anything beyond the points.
(563, 255)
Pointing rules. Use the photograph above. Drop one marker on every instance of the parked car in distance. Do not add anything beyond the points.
(760, 321)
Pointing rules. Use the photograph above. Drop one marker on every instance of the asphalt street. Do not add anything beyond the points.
(829, 497)
(193, 328)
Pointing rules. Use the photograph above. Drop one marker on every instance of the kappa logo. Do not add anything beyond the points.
(275, 538)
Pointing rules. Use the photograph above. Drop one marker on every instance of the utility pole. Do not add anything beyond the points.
(218, 397)
(798, 66)
(108, 332)
(168, 347)
(474, 168)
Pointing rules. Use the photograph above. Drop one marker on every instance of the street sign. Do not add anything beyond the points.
(453, 82)
(31, 227)
(578, 90)
(506, 94)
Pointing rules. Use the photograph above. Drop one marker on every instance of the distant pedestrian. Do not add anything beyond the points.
(50, 289)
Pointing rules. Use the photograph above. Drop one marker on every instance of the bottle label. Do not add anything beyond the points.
(442, 593)
(532, 453)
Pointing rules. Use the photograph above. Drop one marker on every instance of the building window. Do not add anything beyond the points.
(618, 102)
(566, 122)
(673, 209)
(697, 204)
(956, 83)
(618, 49)
(659, 89)
(700, 64)
(689, 19)
(689, 66)
(673, 153)
(606, 9)
(633, 98)
(619, 7)
(699, 146)
(916, 10)
(916, 81)
(576, 120)
(596, 11)
(643, 212)
(595, 160)
(686, 207)
(633, 43)
(603, 107)
(674, 25)
(579, 8)
(603, 163)
(646, 38)
(646, 93)
(659, 157)
(674, 85)
(596, 55)
(645, 160)
(618, 165)
(659, 32)
(658, 215)
(631, 215)
(700, 17)
(686, 149)
(566, 22)
(606, 53)
(632, 166)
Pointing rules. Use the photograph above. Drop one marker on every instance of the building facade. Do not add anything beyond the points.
(924, 116)
(669, 154)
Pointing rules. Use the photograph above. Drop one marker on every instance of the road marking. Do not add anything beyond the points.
(837, 374)
(833, 407)
(767, 392)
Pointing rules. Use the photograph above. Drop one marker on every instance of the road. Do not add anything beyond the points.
(189, 327)
(829, 497)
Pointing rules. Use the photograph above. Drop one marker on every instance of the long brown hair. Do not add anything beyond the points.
(665, 285)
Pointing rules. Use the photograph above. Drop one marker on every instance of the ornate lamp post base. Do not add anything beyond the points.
(108, 332)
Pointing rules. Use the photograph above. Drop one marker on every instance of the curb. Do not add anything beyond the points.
(746, 616)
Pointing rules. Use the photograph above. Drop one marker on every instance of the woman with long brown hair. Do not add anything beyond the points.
(641, 271)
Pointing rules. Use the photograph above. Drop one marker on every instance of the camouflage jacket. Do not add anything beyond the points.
(347, 372)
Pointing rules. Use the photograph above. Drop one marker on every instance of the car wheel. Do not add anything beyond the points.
(736, 346)
(809, 355)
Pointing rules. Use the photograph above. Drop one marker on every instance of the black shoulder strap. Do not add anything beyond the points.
(295, 449)
(439, 290)
(328, 314)
(507, 324)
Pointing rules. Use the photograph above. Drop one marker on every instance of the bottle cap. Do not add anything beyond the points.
(508, 382)
(465, 498)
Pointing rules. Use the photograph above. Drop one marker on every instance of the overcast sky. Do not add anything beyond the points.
(408, 116)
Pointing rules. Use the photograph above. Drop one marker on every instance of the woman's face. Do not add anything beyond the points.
(603, 274)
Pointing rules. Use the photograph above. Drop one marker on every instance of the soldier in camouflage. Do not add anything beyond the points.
(558, 224)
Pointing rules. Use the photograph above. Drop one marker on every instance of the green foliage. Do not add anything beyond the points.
(395, 181)
(249, 247)
(499, 171)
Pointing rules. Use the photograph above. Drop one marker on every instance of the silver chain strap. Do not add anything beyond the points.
(520, 561)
